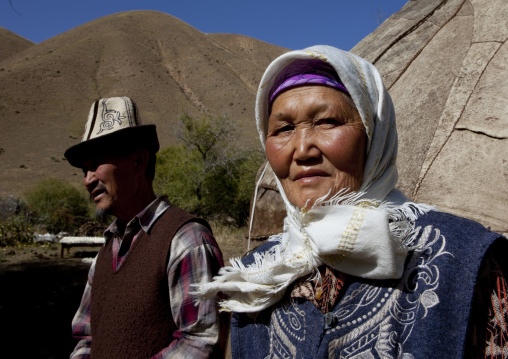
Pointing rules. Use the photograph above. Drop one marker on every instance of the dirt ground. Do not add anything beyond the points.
(39, 294)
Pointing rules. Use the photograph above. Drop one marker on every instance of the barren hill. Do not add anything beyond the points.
(11, 43)
(167, 66)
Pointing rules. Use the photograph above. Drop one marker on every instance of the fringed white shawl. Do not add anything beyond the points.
(361, 234)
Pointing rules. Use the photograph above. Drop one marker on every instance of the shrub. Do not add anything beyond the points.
(14, 231)
(208, 174)
(179, 174)
(56, 205)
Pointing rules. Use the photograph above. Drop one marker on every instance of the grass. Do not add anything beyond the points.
(27, 252)
(231, 240)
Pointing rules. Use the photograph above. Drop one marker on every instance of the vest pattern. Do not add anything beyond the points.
(422, 315)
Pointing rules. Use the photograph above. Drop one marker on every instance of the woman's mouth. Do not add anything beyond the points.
(310, 175)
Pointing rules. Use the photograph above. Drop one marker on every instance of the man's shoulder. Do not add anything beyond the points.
(195, 239)
(196, 227)
(174, 214)
(172, 211)
(193, 232)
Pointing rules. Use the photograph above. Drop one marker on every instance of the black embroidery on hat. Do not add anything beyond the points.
(109, 117)
(132, 116)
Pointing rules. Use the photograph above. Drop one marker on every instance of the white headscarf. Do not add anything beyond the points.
(361, 234)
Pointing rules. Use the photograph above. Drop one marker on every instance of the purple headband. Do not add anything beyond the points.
(307, 72)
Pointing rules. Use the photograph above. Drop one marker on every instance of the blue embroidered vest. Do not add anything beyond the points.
(424, 314)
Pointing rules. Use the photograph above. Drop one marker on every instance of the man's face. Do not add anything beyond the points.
(109, 181)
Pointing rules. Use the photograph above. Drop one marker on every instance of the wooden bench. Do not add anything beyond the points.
(68, 242)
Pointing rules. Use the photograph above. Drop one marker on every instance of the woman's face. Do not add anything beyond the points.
(315, 143)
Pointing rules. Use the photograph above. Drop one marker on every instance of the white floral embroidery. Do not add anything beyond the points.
(375, 319)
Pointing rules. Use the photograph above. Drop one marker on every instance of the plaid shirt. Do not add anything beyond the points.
(190, 262)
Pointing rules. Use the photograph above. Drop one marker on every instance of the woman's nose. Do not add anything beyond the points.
(306, 146)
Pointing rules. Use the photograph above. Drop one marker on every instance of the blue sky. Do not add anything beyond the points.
(293, 24)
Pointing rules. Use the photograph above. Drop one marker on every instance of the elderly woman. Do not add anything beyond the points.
(358, 271)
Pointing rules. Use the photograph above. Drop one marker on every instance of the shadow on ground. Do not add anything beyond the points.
(38, 299)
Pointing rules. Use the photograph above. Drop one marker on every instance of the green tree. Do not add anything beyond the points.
(179, 174)
(55, 205)
(210, 136)
(208, 174)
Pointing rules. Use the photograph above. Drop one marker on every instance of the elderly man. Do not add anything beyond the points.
(138, 302)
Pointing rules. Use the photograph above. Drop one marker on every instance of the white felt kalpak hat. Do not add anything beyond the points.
(113, 128)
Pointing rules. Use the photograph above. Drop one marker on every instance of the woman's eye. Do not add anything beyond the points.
(283, 129)
(329, 122)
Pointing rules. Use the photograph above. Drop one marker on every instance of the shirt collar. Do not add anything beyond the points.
(144, 219)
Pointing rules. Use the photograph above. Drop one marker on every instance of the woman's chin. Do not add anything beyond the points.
(306, 201)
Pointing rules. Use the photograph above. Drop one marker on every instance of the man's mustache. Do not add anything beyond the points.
(101, 187)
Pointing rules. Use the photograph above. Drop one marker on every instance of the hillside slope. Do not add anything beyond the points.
(167, 66)
(11, 44)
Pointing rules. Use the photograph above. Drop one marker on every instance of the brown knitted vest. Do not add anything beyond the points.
(131, 314)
